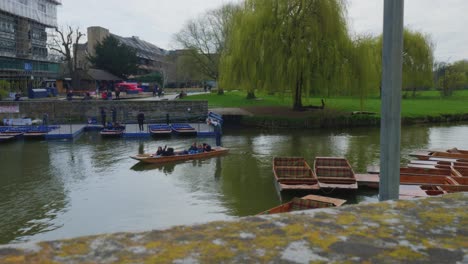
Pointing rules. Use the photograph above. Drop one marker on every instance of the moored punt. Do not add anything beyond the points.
(335, 173)
(447, 171)
(5, 137)
(426, 155)
(293, 173)
(150, 158)
(305, 203)
(160, 130)
(112, 132)
(184, 129)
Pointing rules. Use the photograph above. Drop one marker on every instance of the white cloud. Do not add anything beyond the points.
(444, 20)
(157, 20)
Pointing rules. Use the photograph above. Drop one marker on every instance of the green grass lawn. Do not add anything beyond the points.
(427, 103)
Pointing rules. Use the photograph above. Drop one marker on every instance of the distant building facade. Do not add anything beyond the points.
(151, 58)
(24, 57)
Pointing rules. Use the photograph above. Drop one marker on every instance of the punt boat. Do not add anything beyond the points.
(150, 158)
(293, 173)
(112, 132)
(335, 173)
(184, 130)
(305, 203)
(160, 130)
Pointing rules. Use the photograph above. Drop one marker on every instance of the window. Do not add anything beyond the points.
(24, 2)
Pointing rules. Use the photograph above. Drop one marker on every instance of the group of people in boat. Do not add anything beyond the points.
(194, 149)
(200, 148)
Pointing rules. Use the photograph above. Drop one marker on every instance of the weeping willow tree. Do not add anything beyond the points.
(418, 60)
(295, 47)
(364, 68)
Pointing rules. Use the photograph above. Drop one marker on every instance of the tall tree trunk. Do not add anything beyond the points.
(297, 105)
(251, 95)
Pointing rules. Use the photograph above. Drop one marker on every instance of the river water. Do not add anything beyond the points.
(54, 190)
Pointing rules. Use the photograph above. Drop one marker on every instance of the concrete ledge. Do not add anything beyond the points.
(432, 230)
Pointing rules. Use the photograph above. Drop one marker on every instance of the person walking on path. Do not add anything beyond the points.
(141, 120)
(103, 117)
(117, 93)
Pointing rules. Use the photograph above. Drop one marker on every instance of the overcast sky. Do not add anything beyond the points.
(156, 21)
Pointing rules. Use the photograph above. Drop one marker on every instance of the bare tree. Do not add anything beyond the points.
(65, 42)
(204, 39)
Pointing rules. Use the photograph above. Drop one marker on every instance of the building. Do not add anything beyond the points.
(151, 57)
(24, 58)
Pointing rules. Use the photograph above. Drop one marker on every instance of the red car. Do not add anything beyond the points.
(125, 87)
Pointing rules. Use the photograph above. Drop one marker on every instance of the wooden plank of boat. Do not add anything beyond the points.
(294, 173)
(149, 158)
(427, 180)
(305, 203)
(429, 171)
(368, 180)
(335, 173)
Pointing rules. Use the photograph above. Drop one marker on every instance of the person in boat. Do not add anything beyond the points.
(200, 148)
(206, 147)
(193, 148)
(160, 150)
(168, 152)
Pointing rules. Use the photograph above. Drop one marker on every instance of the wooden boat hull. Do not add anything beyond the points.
(160, 133)
(112, 132)
(35, 135)
(149, 158)
(9, 136)
(335, 173)
(305, 203)
(160, 130)
(426, 155)
(294, 174)
(183, 130)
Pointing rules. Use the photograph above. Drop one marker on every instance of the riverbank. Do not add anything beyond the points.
(268, 111)
(280, 117)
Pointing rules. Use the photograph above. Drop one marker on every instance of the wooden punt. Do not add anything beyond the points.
(35, 134)
(184, 129)
(112, 132)
(447, 171)
(293, 173)
(415, 191)
(160, 130)
(305, 203)
(6, 137)
(335, 173)
(426, 155)
(150, 158)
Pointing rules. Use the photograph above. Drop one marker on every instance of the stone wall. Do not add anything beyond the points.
(127, 110)
(431, 230)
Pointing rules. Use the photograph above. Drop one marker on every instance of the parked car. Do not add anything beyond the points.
(125, 87)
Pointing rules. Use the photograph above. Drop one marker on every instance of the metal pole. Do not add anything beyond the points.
(390, 129)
